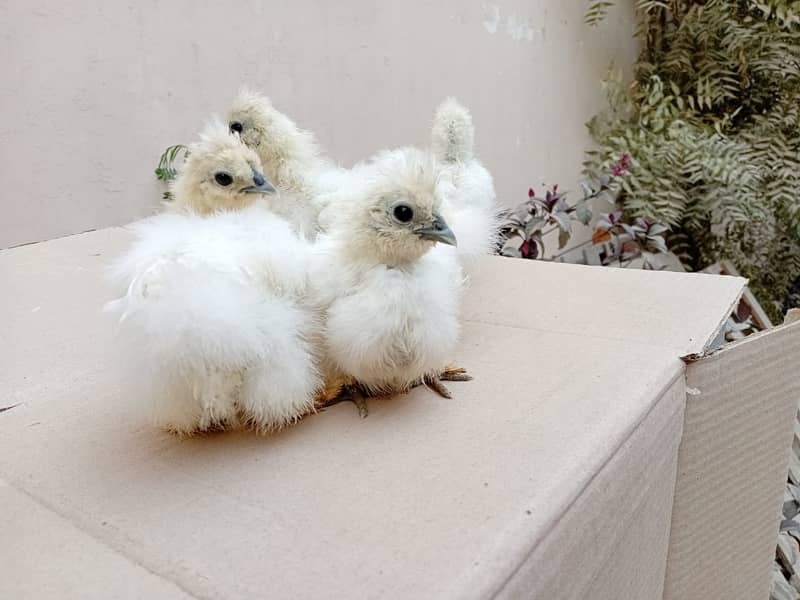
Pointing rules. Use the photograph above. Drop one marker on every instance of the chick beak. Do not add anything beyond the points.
(260, 185)
(438, 231)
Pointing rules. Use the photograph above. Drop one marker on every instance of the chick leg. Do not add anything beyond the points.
(341, 388)
(349, 393)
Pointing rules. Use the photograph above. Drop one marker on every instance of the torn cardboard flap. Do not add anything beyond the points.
(733, 460)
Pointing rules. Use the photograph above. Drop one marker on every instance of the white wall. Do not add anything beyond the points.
(91, 92)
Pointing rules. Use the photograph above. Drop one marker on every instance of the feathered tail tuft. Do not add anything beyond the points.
(453, 134)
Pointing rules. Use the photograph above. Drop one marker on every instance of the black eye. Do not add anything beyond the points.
(223, 179)
(236, 127)
(403, 213)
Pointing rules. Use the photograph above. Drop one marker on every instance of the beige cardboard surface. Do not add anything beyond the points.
(733, 460)
(45, 556)
(675, 311)
(612, 542)
(564, 432)
(635, 567)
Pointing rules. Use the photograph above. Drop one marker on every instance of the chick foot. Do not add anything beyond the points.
(455, 374)
(349, 393)
(434, 382)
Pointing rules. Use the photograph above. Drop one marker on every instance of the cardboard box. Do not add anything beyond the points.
(552, 475)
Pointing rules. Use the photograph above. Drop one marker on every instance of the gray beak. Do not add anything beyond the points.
(260, 185)
(438, 231)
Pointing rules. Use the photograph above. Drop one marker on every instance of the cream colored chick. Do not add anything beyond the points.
(452, 181)
(220, 173)
(290, 156)
(388, 279)
(212, 319)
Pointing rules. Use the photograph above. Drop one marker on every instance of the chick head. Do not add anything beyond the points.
(249, 116)
(220, 173)
(396, 218)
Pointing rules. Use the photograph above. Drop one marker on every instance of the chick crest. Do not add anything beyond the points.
(220, 173)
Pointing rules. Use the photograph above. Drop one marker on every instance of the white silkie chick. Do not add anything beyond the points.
(405, 275)
(389, 282)
(291, 159)
(212, 318)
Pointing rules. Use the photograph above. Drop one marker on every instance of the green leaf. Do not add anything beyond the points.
(563, 238)
(166, 171)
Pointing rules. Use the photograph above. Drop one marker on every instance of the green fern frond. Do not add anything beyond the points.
(166, 170)
(712, 122)
(596, 12)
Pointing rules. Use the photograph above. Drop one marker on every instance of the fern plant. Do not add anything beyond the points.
(166, 170)
(712, 122)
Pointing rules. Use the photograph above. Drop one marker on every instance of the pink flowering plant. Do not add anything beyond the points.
(526, 227)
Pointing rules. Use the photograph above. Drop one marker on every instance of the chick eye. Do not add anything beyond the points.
(236, 127)
(403, 213)
(223, 179)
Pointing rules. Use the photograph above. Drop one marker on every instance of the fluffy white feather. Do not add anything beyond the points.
(452, 133)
